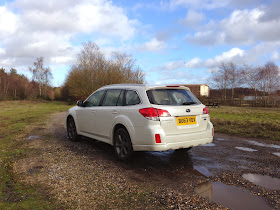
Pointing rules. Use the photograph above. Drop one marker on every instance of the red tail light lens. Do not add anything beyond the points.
(205, 110)
(153, 113)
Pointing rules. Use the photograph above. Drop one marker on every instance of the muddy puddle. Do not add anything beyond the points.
(203, 170)
(220, 139)
(264, 145)
(246, 149)
(276, 153)
(263, 181)
(230, 196)
(209, 145)
(33, 137)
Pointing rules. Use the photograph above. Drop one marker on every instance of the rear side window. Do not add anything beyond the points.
(174, 97)
(111, 97)
(131, 98)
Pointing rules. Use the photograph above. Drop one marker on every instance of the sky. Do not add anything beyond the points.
(172, 41)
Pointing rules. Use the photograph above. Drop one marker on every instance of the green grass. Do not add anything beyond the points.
(15, 118)
(247, 121)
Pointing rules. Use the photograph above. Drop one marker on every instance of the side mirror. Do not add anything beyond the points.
(80, 103)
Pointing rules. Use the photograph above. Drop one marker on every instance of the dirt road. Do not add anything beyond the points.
(86, 175)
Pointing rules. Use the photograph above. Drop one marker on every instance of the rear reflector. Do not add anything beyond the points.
(205, 110)
(157, 137)
(212, 131)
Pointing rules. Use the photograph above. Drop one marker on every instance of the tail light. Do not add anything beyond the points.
(205, 110)
(153, 113)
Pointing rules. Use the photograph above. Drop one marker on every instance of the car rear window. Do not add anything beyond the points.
(174, 97)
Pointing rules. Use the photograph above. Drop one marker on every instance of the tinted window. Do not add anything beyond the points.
(131, 98)
(172, 97)
(94, 99)
(111, 97)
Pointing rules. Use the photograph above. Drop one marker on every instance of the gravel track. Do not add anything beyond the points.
(86, 174)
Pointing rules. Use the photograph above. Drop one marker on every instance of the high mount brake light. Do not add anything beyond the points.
(205, 110)
(153, 113)
(173, 86)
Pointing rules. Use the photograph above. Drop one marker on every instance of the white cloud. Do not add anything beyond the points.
(275, 56)
(169, 66)
(48, 29)
(197, 4)
(8, 23)
(234, 55)
(194, 63)
(242, 27)
(193, 18)
(255, 55)
(207, 4)
(2, 51)
(153, 45)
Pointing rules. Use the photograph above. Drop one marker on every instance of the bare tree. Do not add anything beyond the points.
(220, 78)
(234, 76)
(251, 76)
(42, 75)
(269, 78)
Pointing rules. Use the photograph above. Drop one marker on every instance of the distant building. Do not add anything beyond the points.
(199, 90)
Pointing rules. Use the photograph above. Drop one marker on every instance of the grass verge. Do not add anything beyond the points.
(247, 121)
(15, 118)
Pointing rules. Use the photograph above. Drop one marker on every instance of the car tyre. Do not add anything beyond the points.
(71, 130)
(122, 144)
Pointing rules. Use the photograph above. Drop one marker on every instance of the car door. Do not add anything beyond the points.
(86, 115)
(108, 112)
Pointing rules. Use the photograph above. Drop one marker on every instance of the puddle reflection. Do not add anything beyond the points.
(277, 154)
(230, 196)
(220, 139)
(263, 181)
(246, 149)
(33, 137)
(264, 145)
(209, 145)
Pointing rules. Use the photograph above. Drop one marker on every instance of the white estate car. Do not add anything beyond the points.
(134, 117)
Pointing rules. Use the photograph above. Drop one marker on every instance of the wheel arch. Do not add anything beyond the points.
(129, 129)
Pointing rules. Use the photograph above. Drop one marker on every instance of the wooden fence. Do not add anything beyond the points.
(241, 103)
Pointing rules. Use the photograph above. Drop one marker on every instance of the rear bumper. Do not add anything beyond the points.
(172, 146)
(173, 142)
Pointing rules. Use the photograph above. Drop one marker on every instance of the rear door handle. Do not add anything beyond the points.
(114, 112)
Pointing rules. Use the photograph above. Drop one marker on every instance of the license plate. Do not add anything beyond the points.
(186, 120)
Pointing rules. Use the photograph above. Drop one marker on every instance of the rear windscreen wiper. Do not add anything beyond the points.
(189, 103)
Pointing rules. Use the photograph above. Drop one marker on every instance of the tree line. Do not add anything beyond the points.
(14, 86)
(262, 80)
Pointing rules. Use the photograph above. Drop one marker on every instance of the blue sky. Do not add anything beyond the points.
(173, 41)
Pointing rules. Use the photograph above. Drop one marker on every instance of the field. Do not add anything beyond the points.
(247, 121)
(16, 117)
